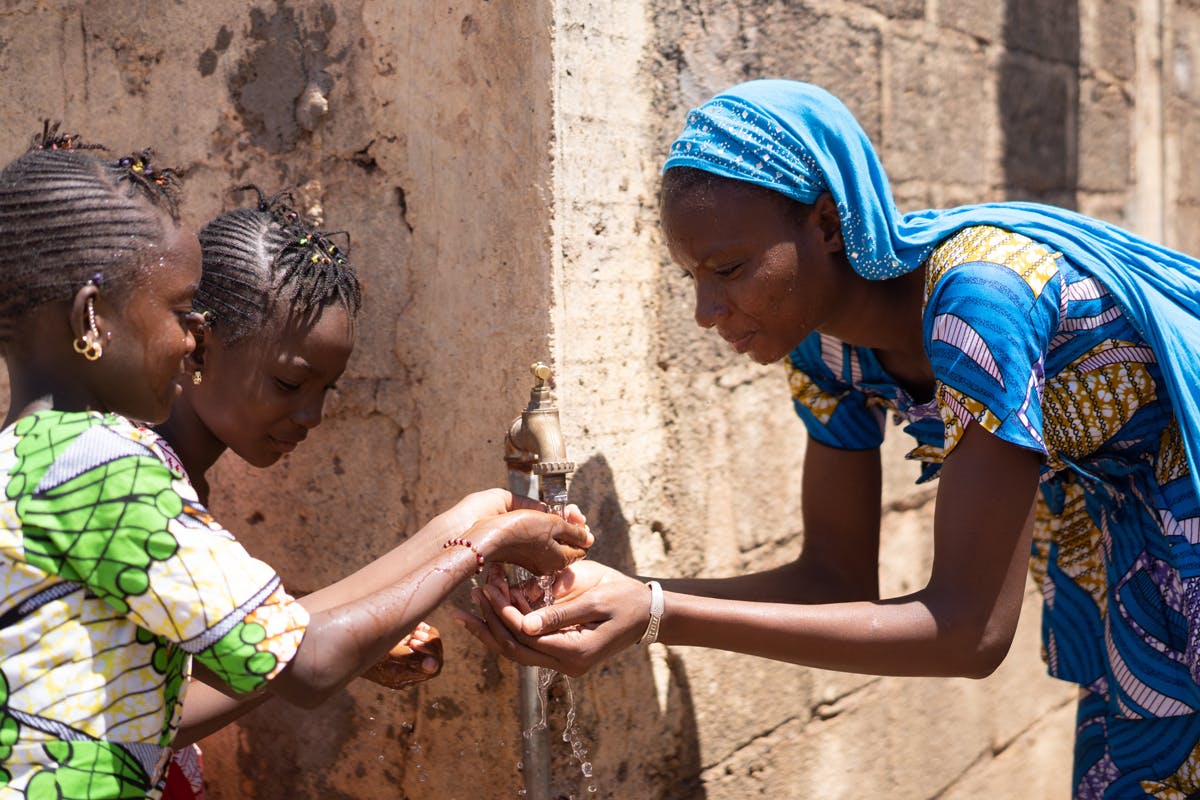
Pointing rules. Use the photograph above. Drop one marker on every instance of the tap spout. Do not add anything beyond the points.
(534, 443)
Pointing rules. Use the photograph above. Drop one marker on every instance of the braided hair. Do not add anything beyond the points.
(260, 259)
(67, 216)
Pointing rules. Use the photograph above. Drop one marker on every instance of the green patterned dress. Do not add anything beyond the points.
(113, 578)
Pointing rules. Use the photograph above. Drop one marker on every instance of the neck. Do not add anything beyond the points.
(192, 441)
(30, 392)
(884, 315)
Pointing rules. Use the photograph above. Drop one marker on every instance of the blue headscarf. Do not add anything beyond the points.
(801, 141)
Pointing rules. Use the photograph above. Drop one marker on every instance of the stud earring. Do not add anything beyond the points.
(197, 377)
(89, 345)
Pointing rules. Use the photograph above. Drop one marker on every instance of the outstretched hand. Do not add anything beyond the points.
(597, 611)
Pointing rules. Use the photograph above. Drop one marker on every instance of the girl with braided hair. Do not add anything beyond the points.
(115, 581)
(280, 301)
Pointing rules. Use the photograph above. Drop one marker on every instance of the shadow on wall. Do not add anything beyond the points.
(1038, 97)
(634, 717)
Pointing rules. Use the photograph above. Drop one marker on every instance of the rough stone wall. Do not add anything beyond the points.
(496, 163)
(967, 101)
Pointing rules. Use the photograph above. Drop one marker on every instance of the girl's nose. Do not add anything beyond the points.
(310, 412)
(711, 304)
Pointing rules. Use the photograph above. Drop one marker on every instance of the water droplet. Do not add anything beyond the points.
(424, 777)
(379, 758)
(586, 769)
(591, 788)
(520, 765)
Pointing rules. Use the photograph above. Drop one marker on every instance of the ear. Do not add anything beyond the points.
(827, 219)
(80, 318)
(201, 333)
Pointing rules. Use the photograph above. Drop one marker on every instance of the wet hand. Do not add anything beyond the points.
(541, 543)
(597, 611)
(416, 658)
(491, 503)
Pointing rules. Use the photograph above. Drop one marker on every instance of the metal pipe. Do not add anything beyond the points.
(537, 467)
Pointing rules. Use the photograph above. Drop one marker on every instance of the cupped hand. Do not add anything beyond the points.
(541, 543)
(597, 611)
(416, 658)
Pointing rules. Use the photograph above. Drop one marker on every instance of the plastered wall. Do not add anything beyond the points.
(496, 165)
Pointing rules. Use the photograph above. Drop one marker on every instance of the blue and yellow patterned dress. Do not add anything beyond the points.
(112, 578)
(1037, 352)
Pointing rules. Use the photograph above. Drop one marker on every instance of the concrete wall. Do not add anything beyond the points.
(496, 163)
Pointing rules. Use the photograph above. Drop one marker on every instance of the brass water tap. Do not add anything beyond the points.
(534, 441)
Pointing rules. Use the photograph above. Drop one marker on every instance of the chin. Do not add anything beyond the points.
(259, 457)
(263, 460)
(766, 359)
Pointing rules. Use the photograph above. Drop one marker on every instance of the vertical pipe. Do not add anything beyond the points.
(535, 737)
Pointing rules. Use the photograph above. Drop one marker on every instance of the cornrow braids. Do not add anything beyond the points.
(264, 259)
(67, 217)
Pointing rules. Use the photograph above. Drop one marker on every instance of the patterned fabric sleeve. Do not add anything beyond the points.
(988, 324)
(822, 373)
(99, 508)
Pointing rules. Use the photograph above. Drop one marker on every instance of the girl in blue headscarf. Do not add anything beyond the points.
(1044, 363)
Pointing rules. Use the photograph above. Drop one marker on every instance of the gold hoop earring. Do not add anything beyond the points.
(89, 345)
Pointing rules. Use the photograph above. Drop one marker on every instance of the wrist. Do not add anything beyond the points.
(458, 541)
(657, 603)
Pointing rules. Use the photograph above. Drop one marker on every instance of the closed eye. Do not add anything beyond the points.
(728, 272)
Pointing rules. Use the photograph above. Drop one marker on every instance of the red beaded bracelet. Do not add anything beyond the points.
(457, 542)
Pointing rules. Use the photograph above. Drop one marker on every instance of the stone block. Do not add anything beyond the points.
(898, 9)
(942, 120)
(1107, 36)
(737, 699)
(982, 19)
(1047, 29)
(1041, 755)
(1105, 137)
(1038, 122)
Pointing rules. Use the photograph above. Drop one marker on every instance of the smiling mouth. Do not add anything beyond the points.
(741, 344)
(285, 445)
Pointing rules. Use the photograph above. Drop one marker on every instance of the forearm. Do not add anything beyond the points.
(802, 581)
(905, 636)
(206, 710)
(343, 641)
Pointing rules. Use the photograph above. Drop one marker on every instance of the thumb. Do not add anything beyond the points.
(552, 618)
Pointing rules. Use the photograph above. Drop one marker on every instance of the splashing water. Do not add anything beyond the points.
(554, 494)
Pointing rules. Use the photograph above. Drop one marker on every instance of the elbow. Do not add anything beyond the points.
(303, 686)
(978, 649)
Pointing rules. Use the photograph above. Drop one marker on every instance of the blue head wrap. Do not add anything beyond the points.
(801, 141)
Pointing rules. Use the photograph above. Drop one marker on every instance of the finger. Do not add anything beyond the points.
(508, 616)
(509, 646)
(573, 515)
(572, 535)
(548, 619)
(521, 599)
(477, 628)
(521, 501)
